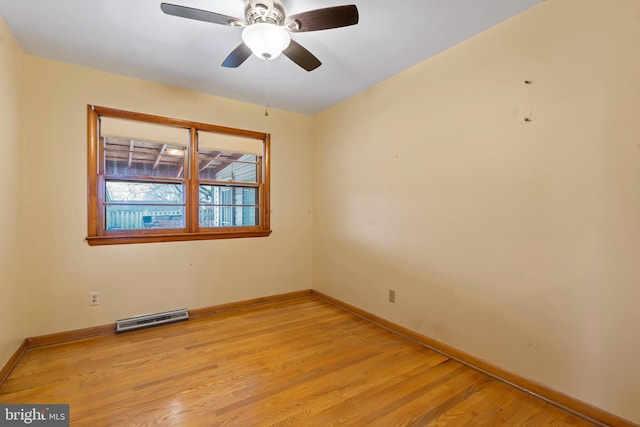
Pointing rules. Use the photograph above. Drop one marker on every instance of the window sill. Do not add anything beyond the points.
(177, 237)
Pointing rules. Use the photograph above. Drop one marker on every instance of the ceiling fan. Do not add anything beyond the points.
(267, 27)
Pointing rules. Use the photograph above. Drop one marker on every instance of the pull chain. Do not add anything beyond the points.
(266, 86)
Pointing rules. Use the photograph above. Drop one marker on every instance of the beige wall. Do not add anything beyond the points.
(142, 278)
(12, 304)
(516, 242)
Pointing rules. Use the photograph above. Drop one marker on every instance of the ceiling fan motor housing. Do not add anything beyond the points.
(261, 13)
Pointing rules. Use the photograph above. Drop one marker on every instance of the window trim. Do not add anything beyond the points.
(96, 233)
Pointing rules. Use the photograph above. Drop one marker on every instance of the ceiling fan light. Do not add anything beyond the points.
(266, 41)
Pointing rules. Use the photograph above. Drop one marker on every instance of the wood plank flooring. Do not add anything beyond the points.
(300, 362)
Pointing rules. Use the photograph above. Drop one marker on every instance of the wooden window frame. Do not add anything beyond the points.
(97, 233)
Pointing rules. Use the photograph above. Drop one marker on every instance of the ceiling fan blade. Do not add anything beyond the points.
(237, 56)
(301, 56)
(199, 14)
(323, 19)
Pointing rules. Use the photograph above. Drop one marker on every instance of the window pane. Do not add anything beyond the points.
(227, 166)
(143, 130)
(128, 157)
(143, 205)
(226, 142)
(143, 193)
(228, 216)
(226, 206)
(137, 217)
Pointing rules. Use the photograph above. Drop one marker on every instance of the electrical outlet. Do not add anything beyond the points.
(94, 298)
(392, 295)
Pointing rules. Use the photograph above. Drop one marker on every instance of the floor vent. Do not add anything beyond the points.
(148, 320)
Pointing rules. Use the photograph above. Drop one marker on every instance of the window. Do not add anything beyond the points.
(155, 179)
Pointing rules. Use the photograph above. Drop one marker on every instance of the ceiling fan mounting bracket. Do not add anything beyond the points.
(293, 25)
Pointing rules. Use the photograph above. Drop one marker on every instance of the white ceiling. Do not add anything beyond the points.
(134, 38)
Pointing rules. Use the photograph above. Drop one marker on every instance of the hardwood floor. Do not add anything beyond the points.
(300, 362)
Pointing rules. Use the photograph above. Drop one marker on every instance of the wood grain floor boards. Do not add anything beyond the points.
(300, 362)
